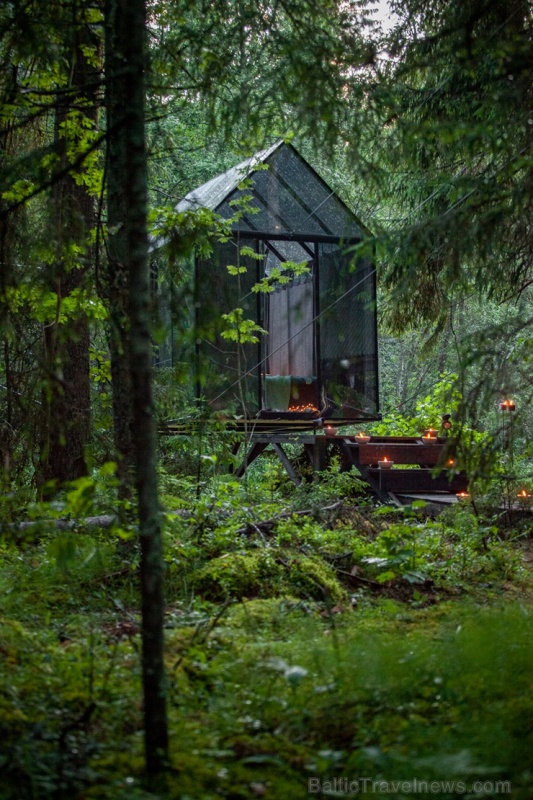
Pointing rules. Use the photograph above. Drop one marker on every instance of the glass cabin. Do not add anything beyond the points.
(316, 305)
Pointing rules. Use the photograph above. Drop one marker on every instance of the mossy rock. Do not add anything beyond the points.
(240, 575)
(311, 577)
(261, 574)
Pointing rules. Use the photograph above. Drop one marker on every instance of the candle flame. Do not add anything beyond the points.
(307, 407)
(507, 405)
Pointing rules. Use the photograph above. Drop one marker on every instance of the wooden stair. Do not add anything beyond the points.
(420, 469)
(420, 461)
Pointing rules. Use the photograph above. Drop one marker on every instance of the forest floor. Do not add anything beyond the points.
(397, 664)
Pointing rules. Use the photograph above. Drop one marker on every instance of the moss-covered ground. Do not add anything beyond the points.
(321, 654)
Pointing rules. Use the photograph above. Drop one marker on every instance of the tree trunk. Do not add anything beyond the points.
(66, 397)
(116, 283)
(6, 266)
(125, 21)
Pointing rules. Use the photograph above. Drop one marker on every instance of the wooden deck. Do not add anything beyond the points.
(417, 467)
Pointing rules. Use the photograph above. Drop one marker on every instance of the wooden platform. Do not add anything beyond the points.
(418, 467)
(420, 462)
(292, 424)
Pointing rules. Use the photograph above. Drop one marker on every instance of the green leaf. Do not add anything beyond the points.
(247, 251)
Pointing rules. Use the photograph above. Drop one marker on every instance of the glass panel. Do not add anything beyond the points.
(289, 321)
(324, 212)
(291, 198)
(226, 371)
(287, 251)
(348, 356)
(288, 211)
(290, 380)
(175, 349)
(260, 221)
(341, 378)
(278, 211)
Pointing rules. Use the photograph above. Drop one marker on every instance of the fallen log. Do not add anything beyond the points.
(101, 521)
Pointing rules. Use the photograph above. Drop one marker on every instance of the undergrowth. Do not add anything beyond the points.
(310, 636)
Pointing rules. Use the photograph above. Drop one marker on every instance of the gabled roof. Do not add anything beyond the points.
(214, 192)
(289, 197)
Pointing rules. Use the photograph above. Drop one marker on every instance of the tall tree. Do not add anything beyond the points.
(126, 63)
(453, 102)
(49, 92)
(116, 280)
(66, 397)
(458, 99)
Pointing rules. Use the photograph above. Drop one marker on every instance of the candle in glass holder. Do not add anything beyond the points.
(362, 438)
(524, 496)
(386, 463)
(330, 431)
(430, 438)
(507, 405)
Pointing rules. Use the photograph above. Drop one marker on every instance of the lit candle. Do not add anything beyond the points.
(524, 496)
(330, 431)
(386, 463)
(429, 438)
(463, 496)
(362, 438)
(507, 405)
